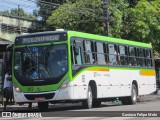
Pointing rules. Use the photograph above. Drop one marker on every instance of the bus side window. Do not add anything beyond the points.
(76, 54)
(112, 54)
(123, 55)
(148, 58)
(132, 57)
(88, 52)
(141, 60)
(100, 53)
(106, 52)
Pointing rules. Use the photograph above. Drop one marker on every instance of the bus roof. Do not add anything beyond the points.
(108, 39)
(93, 37)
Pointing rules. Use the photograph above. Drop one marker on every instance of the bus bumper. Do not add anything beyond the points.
(60, 94)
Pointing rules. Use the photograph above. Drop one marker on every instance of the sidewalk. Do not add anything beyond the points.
(152, 97)
(146, 98)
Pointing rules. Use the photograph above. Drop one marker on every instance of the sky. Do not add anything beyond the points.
(27, 5)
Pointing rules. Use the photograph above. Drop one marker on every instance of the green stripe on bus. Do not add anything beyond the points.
(108, 39)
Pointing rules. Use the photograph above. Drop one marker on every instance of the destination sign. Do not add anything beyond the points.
(49, 38)
(40, 38)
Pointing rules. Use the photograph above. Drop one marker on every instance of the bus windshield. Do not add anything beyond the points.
(40, 62)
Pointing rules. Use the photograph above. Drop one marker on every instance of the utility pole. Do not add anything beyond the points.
(19, 27)
(105, 7)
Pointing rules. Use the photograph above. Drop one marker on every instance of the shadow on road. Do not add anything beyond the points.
(57, 107)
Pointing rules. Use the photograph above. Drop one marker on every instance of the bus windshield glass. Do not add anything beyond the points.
(40, 62)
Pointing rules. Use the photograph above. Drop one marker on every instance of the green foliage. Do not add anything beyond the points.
(143, 22)
(87, 16)
(117, 8)
(83, 15)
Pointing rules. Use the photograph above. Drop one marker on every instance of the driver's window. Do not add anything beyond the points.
(77, 56)
(76, 53)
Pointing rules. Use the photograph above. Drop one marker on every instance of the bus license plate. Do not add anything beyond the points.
(38, 99)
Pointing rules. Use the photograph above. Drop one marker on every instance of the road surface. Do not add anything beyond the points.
(148, 108)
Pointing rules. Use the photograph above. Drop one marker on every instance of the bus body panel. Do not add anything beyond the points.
(64, 94)
(115, 83)
(108, 85)
(80, 87)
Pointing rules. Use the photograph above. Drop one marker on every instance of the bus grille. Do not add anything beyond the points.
(46, 96)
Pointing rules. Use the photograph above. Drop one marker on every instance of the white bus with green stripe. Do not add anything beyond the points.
(70, 66)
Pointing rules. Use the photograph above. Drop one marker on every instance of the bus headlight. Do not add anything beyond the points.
(65, 84)
(17, 88)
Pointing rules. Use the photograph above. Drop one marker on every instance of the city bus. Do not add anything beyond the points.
(70, 66)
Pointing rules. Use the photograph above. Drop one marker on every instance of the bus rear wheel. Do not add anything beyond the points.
(43, 106)
(131, 99)
(88, 103)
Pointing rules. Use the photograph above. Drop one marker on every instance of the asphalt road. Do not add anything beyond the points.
(148, 107)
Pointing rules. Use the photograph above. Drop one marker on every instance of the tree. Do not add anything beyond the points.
(117, 8)
(142, 23)
(86, 16)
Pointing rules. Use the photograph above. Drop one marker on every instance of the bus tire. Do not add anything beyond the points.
(43, 106)
(88, 103)
(131, 99)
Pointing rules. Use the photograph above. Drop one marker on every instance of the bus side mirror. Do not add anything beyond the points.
(76, 50)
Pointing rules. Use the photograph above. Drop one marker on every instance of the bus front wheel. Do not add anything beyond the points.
(88, 103)
(43, 106)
